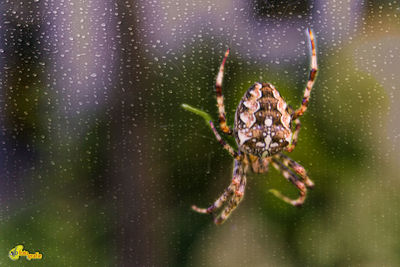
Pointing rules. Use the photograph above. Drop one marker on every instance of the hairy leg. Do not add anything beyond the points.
(313, 72)
(233, 203)
(207, 118)
(227, 147)
(295, 136)
(220, 98)
(229, 191)
(294, 179)
(288, 162)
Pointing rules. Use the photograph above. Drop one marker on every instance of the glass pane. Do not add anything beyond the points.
(100, 163)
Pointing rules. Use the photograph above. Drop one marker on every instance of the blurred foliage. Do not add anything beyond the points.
(60, 214)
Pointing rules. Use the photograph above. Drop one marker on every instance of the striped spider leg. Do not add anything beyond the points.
(283, 164)
(313, 73)
(220, 98)
(235, 191)
(288, 162)
(294, 179)
(304, 104)
(233, 194)
(295, 136)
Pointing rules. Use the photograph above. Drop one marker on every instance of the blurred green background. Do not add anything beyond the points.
(99, 164)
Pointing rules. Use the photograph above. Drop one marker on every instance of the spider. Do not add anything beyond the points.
(262, 130)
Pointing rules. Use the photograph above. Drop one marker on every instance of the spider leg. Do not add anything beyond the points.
(288, 162)
(295, 136)
(313, 72)
(227, 147)
(237, 173)
(294, 179)
(220, 98)
(233, 203)
(207, 118)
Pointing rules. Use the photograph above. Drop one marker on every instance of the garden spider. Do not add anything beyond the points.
(262, 130)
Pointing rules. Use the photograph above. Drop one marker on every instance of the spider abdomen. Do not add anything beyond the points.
(262, 121)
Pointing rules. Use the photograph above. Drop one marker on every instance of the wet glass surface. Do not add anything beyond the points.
(100, 164)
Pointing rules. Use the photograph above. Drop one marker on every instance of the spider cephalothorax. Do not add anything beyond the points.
(262, 130)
